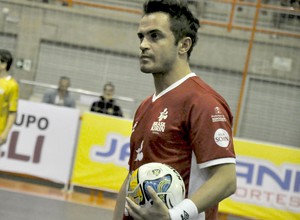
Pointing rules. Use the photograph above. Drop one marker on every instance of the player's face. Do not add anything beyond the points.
(157, 44)
(3, 65)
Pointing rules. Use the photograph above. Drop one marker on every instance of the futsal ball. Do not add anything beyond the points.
(164, 179)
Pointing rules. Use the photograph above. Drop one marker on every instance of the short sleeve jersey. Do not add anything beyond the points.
(9, 94)
(187, 126)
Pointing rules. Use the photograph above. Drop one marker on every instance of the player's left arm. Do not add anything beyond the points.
(10, 121)
(220, 185)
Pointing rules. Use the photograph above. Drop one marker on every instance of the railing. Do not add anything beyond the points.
(258, 5)
(84, 98)
(74, 90)
(229, 25)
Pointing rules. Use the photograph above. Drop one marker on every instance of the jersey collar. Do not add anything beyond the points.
(171, 87)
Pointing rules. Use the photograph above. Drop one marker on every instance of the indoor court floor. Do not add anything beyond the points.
(27, 201)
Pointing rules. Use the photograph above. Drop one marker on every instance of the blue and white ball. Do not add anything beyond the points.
(165, 180)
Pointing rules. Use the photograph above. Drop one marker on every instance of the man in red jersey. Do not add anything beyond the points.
(185, 124)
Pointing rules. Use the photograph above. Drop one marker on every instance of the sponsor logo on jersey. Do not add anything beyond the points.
(160, 125)
(139, 152)
(222, 138)
(163, 115)
(218, 115)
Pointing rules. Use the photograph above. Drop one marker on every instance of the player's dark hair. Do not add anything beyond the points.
(6, 57)
(182, 22)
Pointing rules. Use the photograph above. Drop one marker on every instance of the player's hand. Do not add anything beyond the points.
(158, 210)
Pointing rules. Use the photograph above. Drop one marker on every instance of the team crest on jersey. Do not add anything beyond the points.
(218, 115)
(160, 125)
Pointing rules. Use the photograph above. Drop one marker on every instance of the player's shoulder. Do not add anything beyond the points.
(11, 79)
(201, 92)
(144, 104)
(198, 84)
(194, 88)
(201, 88)
(146, 100)
(11, 82)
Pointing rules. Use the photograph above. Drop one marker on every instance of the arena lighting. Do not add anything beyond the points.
(7, 17)
(5, 11)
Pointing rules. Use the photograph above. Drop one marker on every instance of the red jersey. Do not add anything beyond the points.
(187, 126)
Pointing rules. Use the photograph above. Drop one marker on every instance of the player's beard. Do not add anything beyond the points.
(151, 66)
(147, 66)
(146, 70)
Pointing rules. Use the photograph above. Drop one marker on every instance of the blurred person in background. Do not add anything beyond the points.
(9, 95)
(280, 17)
(61, 96)
(107, 104)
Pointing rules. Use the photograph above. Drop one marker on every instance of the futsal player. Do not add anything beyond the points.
(185, 123)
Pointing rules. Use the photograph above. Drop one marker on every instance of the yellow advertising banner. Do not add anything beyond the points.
(268, 176)
(102, 153)
(268, 182)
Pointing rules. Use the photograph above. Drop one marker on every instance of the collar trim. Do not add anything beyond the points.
(173, 86)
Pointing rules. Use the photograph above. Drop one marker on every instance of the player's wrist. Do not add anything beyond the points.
(186, 209)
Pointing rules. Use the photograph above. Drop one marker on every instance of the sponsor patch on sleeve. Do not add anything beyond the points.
(222, 138)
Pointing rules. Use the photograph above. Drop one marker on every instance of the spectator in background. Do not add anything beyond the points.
(9, 95)
(296, 6)
(60, 96)
(280, 17)
(106, 104)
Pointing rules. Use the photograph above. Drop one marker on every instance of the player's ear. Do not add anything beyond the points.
(184, 45)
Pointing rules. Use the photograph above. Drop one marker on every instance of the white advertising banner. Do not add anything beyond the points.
(41, 142)
(268, 182)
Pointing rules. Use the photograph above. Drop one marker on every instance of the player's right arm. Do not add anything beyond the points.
(120, 203)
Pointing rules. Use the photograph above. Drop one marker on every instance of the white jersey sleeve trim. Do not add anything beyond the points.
(217, 162)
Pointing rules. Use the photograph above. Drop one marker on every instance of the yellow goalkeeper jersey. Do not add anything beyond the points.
(9, 94)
